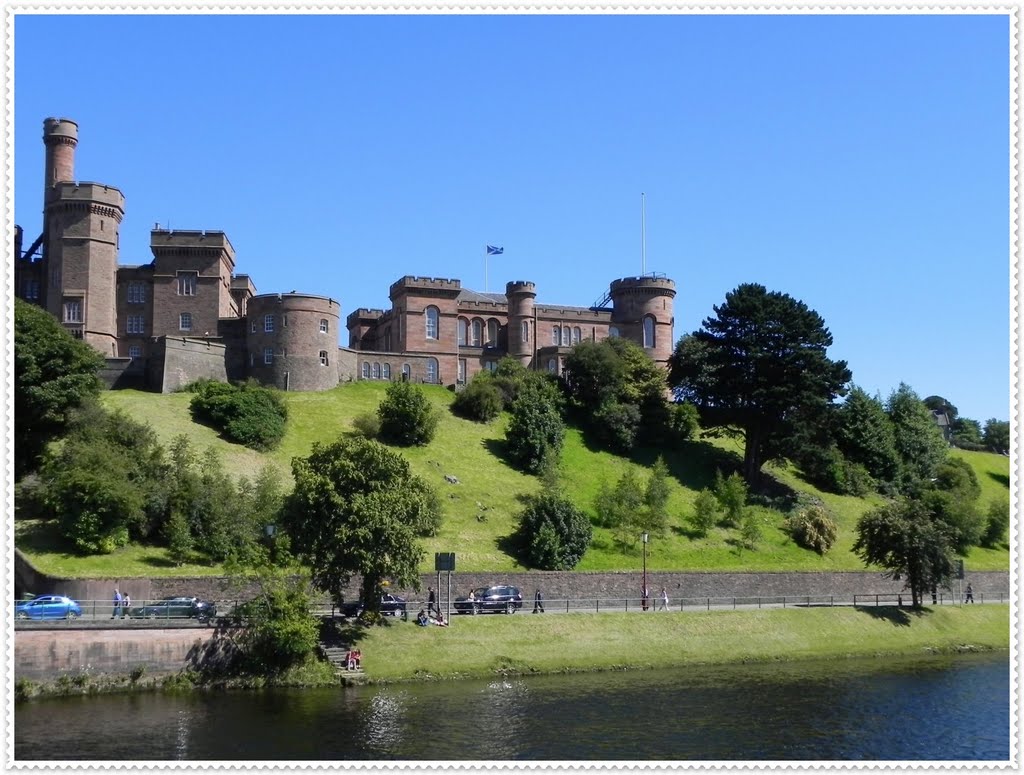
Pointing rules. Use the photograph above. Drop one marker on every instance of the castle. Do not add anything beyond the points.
(187, 314)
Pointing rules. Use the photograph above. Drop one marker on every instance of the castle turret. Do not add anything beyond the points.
(60, 135)
(642, 308)
(522, 334)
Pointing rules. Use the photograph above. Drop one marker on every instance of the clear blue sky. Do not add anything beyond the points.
(857, 163)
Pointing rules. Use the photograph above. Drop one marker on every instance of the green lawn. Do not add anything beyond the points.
(480, 511)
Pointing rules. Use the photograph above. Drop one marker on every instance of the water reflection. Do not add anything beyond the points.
(869, 709)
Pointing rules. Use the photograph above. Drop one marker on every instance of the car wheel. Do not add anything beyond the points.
(476, 610)
(510, 607)
(73, 615)
(21, 615)
(151, 615)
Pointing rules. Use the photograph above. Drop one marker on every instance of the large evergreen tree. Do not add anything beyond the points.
(865, 435)
(756, 369)
(535, 429)
(919, 440)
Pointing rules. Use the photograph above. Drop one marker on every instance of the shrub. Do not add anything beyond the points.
(812, 528)
(616, 425)
(997, 520)
(280, 631)
(705, 512)
(553, 534)
(684, 421)
(535, 428)
(406, 416)
(248, 414)
(481, 399)
(731, 492)
(750, 530)
(367, 425)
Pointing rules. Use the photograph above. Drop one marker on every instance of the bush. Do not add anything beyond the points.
(480, 401)
(553, 534)
(535, 429)
(998, 519)
(731, 493)
(684, 422)
(813, 528)
(616, 426)
(705, 512)
(367, 425)
(247, 414)
(406, 416)
(279, 629)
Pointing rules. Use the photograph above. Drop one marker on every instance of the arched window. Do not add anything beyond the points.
(323, 357)
(556, 335)
(524, 331)
(433, 315)
(577, 335)
(376, 371)
(566, 333)
(478, 332)
(648, 331)
(366, 370)
(553, 365)
(492, 333)
(432, 370)
(613, 330)
(462, 332)
(323, 325)
(406, 372)
(387, 371)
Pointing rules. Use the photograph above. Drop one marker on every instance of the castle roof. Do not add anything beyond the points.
(489, 298)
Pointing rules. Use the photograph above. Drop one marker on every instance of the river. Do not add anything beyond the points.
(928, 708)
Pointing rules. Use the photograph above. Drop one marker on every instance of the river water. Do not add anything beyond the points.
(931, 708)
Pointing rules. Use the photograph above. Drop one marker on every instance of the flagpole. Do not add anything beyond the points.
(485, 269)
(643, 235)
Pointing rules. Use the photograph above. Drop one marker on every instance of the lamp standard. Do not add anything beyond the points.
(644, 601)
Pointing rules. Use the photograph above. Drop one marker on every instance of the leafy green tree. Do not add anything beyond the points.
(509, 376)
(901, 537)
(616, 426)
(357, 510)
(919, 442)
(940, 404)
(593, 375)
(967, 434)
(178, 536)
(683, 421)
(952, 498)
(656, 495)
(755, 367)
(553, 533)
(54, 373)
(998, 520)
(705, 512)
(407, 418)
(997, 435)
(620, 508)
(535, 428)
(866, 436)
(750, 530)
(480, 400)
(731, 492)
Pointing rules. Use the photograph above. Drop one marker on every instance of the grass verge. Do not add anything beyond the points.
(484, 646)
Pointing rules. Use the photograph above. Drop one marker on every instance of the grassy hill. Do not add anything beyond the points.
(480, 511)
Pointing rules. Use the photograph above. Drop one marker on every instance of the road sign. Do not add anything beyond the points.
(960, 569)
(444, 561)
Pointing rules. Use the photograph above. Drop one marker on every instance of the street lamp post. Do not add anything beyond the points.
(644, 601)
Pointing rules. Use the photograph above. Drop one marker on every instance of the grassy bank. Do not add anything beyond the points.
(482, 646)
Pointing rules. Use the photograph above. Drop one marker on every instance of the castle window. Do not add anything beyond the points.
(577, 335)
(376, 370)
(433, 322)
(323, 357)
(553, 365)
(136, 293)
(73, 311)
(185, 321)
(462, 371)
(432, 370)
(648, 331)
(492, 333)
(566, 333)
(387, 371)
(491, 366)
(366, 370)
(268, 355)
(323, 325)
(284, 321)
(478, 332)
(136, 324)
(462, 332)
(524, 331)
(556, 335)
(406, 372)
(268, 324)
(254, 326)
(613, 331)
(31, 289)
(134, 352)
(187, 282)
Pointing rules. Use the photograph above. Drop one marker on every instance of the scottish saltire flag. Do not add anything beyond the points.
(493, 251)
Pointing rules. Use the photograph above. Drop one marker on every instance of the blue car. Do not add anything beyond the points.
(48, 607)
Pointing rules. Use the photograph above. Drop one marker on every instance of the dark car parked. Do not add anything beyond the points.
(499, 599)
(175, 608)
(48, 607)
(390, 605)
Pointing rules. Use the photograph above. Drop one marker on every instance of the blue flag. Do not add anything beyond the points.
(493, 251)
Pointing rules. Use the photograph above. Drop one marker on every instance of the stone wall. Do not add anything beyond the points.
(180, 360)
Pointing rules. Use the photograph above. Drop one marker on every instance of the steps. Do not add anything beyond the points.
(338, 657)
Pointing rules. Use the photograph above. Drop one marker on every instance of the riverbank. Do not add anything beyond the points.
(525, 644)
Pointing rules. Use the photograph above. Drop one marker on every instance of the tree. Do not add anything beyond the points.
(480, 400)
(655, 515)
(357, 509)
(248, 413)
(919, 442)
(865, 435)
(407, 418)
(620, 508)
(705, 512)
(940, 404)
(967, 434)
(731, 492)
(902, 538)
(997, 435)
(553, 534)
(535, 428)
(997, 520)
(754, 368)
(54, 373)
(952, 499)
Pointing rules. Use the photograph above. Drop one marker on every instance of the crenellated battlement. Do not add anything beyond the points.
(162, 240)
(433, 284)
(520, 286)
(645, 284)
(364, 314)
(88, 192)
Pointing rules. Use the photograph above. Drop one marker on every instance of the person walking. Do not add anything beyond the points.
(970, 595)
(664, 599)
(432, 601)
(538, 602)
(126, 604)
(117, 604)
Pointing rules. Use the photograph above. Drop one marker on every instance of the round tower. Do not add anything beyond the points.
(292, 339)
(60, 135)
(642, 308)
(520, 295)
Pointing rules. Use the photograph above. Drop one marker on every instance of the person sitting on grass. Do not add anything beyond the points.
(421, 618)
(439, 620)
